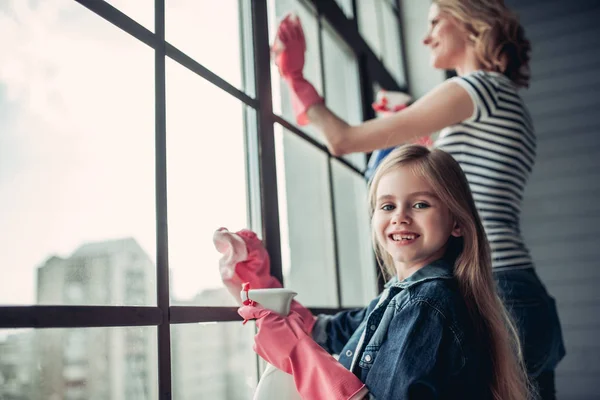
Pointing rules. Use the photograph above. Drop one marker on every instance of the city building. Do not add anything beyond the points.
(97, 363)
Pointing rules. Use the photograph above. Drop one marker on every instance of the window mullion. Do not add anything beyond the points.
(162, 244)
(266, 138)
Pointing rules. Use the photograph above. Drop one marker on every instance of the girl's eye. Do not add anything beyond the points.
(387, 207)
(421, 205)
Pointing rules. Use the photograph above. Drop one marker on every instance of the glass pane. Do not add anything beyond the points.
(79, 364)
(76, 158)
(307, 246)
(346, 6)
(312, 67)
(206, 180)
(210, 32)
(358, 270)
(213, 361)
(368, 24)
(393, 3)
(140, 11)
(392, 51)
(342, 84)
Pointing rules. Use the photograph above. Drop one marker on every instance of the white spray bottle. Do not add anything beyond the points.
(274, 384)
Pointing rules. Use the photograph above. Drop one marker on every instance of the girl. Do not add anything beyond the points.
(484, 124)
(437, 331)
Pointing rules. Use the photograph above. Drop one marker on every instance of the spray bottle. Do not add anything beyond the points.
(274, 384)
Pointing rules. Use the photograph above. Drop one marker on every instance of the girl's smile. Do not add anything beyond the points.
(410, 222)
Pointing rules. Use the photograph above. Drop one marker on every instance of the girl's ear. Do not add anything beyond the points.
(456, 231)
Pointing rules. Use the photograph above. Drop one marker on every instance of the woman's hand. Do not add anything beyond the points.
(289, 47)
(288, 53)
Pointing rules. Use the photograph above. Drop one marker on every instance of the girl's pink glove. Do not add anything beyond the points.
(288, 51)
(245, 259)
(283, 342)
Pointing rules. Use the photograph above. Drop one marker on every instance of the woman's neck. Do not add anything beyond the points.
(468, 63)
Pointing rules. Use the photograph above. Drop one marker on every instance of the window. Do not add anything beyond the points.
(206, 172)
(307, 221)
(129, 132)
(342, 83)
(312, 65)
(378, 23)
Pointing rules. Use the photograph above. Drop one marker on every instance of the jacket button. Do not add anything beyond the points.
(373, 327)
(348, 353)
(368, 358)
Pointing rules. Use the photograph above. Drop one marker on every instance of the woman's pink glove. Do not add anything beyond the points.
(283, 342)
(391, 102)
(288, 51)
(245, 259)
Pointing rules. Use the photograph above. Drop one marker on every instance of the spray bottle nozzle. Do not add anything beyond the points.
(246, 298)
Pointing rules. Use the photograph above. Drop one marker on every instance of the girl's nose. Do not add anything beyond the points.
(400, 217)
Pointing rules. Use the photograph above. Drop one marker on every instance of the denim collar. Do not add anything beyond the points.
(439, 269)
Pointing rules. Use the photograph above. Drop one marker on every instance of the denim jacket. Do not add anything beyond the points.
(414, 341)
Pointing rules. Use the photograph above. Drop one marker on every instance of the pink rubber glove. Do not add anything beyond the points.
(245, 259)
(389, 103)
(288, 50)
(282, 342)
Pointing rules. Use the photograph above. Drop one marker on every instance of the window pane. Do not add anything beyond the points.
(342, 84)
(210, 32)
(346, 6)
(392, 50)
(76, 157)
(142, 11)
(358, 277)
(312, 67)
(368, 24)
(79, 364)
(206, 179)
(213, 361)
(306, 221)
(393, 3)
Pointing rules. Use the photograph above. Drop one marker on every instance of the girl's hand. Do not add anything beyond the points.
(283, 342)
(244, 260)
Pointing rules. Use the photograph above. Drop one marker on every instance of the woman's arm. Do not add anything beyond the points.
(447, 104)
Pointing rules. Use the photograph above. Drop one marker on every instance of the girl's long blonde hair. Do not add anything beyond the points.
(499, 38)
(472, 265)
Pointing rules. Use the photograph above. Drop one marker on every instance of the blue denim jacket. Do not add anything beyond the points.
(414, 341)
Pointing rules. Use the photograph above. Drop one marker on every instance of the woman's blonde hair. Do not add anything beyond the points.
(472, 263)
(499, 38)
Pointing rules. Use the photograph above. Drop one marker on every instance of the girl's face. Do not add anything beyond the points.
(446, 40)
(411, 223)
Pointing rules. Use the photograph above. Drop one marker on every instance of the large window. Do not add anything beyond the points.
(129, 132)
(378, 24)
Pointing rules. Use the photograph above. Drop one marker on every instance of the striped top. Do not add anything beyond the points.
(496, 149)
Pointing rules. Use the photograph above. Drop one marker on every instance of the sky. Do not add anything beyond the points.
(77, 137)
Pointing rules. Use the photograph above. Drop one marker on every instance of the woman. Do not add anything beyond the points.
(484, 124)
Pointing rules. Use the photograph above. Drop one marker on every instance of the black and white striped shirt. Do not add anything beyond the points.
(496, 149)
